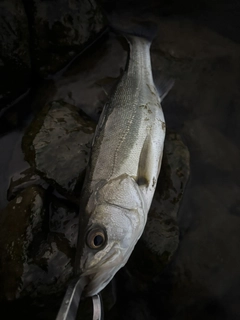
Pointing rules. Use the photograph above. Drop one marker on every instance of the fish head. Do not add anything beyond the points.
(110, 232)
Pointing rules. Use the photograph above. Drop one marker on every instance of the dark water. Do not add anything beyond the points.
(202, 54)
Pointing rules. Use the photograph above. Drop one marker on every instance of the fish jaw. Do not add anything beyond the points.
(122, 225)
(96, 283)
(99, 276)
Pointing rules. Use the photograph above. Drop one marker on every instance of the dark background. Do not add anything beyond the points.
(197, 45)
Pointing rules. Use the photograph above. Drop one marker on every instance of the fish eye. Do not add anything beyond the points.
(96, 238)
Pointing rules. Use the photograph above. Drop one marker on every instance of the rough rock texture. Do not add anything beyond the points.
(22, 180)
(21, 222)
(160, 238)
(39, 36)
(90, 79)
(63, 219)
(36, 252)
(200, 50)
(51, 266)
(57, 144)
(60, 29)
(14, 51)
(161, 234)
(41, 263)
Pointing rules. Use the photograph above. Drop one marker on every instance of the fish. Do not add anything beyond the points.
(123, 169)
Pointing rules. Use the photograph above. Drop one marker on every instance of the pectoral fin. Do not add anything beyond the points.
(146, 163)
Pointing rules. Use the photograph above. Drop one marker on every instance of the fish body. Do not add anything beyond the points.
(123, 170)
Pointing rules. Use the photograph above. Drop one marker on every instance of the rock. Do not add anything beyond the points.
(60, 29)
(171, 184)
(14, 51)
(57, 144)
(39, 258)
(64, 220)
(21, 221)
(21, 181)
(38, 250)
(160, 238)
(89, 80)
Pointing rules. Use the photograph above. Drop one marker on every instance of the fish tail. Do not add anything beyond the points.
(147, 30)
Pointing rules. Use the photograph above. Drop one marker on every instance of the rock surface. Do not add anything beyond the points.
(20, 222)
(161, 234)
(60, 29)
(57, 144)
(14, 51)
(40, 38)
(22, 180)
(36, 252)
(160, 238)
(43, 260)
(194, 47)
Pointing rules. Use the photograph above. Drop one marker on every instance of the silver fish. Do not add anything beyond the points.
(122, 172)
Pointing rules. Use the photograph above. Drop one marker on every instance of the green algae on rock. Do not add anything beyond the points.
(57, 144)
(37, 246)
(22, 180)
(20, 222)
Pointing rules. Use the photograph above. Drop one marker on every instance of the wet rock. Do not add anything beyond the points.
(51, 263)
(60, 29)
(37, 246)
(90, 79)
(57, 144)
(64, 220)
(22, 180)
(160, 238)
(171, 184)
(14, 51)
(39, 258)
(21, 221)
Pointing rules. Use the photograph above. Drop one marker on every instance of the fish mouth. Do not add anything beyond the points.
(96, 282)
(101, 274)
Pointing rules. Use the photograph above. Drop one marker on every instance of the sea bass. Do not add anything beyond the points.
(122, 172)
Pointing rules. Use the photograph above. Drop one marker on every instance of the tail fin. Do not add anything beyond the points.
(145, 29)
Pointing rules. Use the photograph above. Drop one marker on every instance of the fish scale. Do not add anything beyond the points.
(120, 138)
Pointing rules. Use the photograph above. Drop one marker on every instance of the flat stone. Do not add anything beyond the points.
(57, 144)
(20, 222)
(37, 249)
(22, 180)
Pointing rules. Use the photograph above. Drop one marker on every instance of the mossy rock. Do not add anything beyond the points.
(57, 144)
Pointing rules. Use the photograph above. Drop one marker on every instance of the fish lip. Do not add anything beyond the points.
(97, 279)
(100, 275)
(95, 283)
